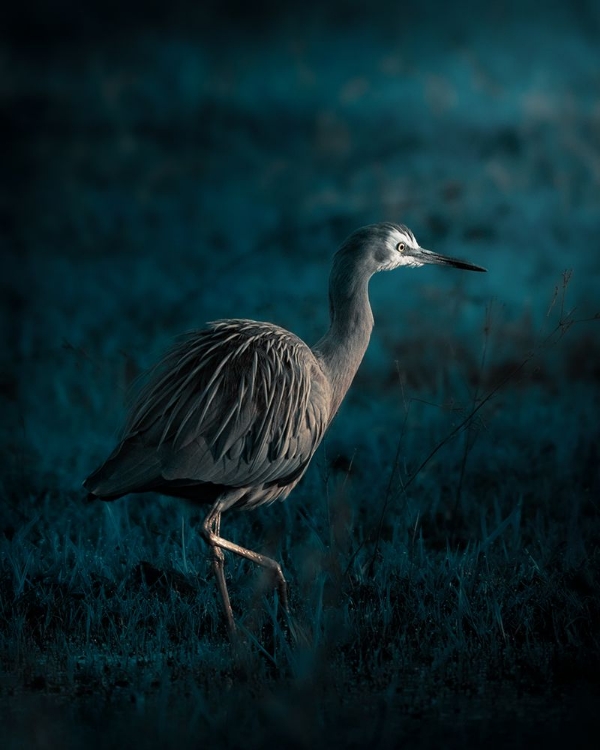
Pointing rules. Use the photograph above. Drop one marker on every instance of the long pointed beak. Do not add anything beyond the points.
(427, 256)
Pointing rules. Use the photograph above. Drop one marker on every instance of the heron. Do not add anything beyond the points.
(233, 413)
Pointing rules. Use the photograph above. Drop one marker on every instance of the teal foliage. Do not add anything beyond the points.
(175, 165)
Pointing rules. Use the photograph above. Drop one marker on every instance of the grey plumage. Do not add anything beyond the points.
(239, 403)
(233, 413)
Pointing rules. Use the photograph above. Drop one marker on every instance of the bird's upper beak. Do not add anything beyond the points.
(427, 256)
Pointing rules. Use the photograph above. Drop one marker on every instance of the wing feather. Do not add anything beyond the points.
(240, 403)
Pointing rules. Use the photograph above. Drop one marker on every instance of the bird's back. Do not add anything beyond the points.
(235, 409)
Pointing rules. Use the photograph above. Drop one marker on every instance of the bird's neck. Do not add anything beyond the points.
(342, 348)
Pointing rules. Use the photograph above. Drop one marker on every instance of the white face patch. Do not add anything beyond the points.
(397, 256)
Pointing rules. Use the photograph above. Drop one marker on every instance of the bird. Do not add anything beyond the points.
(231, 416)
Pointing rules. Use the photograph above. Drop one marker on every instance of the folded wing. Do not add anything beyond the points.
(239, 404)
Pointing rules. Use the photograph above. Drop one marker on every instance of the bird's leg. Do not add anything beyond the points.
(211, 534)
(218, 566)
(263, 561)
(210, 530)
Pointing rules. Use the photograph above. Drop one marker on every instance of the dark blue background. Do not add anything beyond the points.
(169, 163)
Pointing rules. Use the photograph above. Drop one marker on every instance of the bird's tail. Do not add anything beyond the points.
(131, 467)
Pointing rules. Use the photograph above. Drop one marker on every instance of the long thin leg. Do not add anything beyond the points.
(210, 530)
(218, 567)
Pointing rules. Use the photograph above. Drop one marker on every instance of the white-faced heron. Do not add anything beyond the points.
(232, 416)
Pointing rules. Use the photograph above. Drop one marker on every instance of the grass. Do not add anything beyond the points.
(414, 593)
(442, 550)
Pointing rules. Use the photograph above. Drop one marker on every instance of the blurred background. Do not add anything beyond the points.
(169, 163)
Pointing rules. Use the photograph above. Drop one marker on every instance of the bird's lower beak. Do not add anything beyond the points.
(427, 256)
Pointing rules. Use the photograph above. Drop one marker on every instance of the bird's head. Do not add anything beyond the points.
(387, 246)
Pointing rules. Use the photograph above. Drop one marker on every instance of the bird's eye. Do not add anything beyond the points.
(400, 247)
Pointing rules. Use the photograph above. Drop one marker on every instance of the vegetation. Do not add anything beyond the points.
(459, 586)
(442, 551)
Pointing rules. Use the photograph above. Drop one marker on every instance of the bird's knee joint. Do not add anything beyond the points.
(213, 540)
(210, 537)
(278, 573)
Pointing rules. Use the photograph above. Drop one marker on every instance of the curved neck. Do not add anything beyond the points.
(342, 348)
